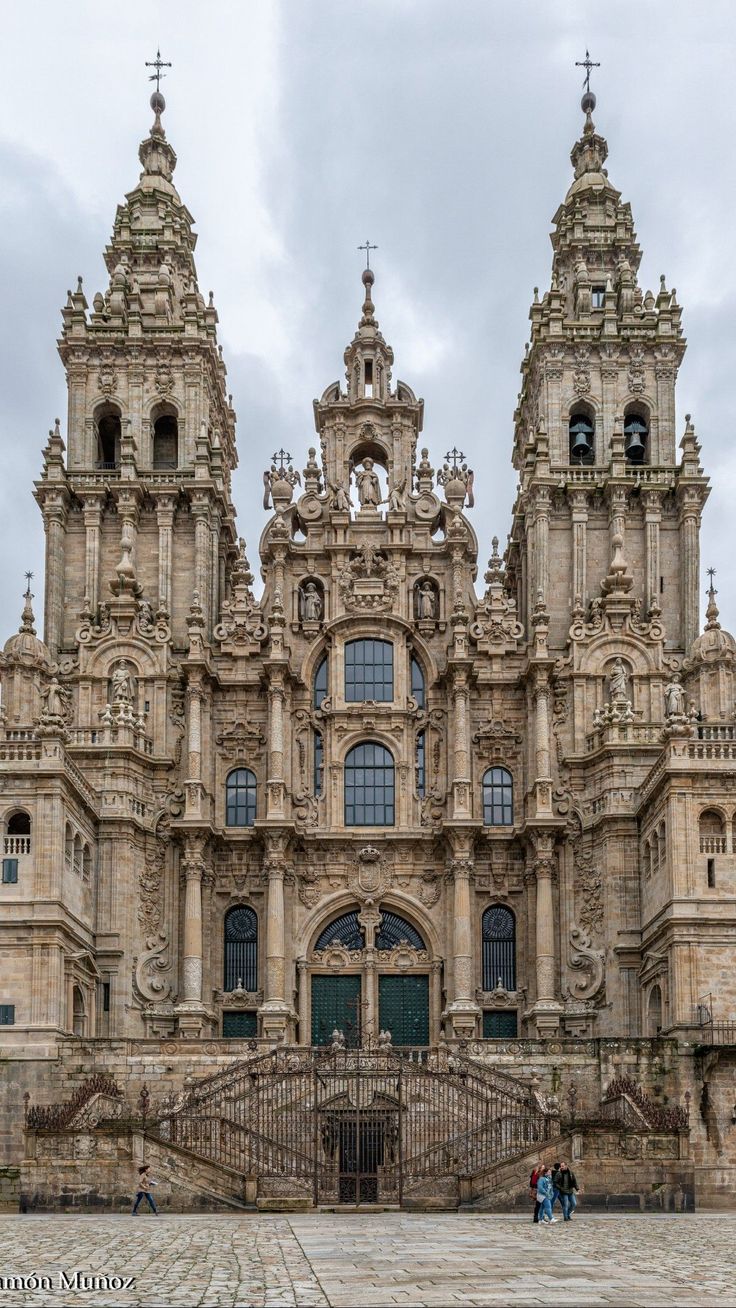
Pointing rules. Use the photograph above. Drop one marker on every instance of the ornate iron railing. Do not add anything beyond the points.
(356, 1125)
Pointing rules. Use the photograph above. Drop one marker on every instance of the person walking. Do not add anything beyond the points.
(144, 1184)
(554, 1169)
(566, 1184)
(534, 1177)
(544, 1198)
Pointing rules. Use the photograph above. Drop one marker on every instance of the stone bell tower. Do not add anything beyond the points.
(604, 556)
(151, 443)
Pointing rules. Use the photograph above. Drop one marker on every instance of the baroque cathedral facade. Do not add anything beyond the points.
(387, 795)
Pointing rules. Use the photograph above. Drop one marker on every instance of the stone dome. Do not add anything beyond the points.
(25, 646)
(713, 643)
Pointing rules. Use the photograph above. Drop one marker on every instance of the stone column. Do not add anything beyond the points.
(463, 1011)
(276, 1012)
(461, 781)
(541, 533)
(690, 568)
(370, 920)
(546, 1009)
(652, 519)
(202, 567)
(276, 783)
(54, 512)
(303, 981)
(542, 759)
(435, 1001)
(579, 546)
(165, 520)
(193, 787)
(192, 958)
(92, 517)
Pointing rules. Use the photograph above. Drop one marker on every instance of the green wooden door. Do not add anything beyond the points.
(335, 1005)
(403, 1007)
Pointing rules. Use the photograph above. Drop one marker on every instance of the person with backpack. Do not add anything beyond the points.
(144, 1184)
(544, 1198)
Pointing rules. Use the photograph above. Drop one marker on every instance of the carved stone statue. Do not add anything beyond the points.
(426, 602)
(674, 699)
(311, 603)
(397, 497)
(338, 1039)
(123, 684)
(339, 498)
(369, 489)
(54, 706)
(619, 681)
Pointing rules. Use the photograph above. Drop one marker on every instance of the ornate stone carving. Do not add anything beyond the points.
(150, 970)
(590, 962)
(241, 740)
(368, 581)
(242, 628)
(370, 877)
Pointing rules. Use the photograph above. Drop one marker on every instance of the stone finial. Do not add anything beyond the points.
(711, 613)
(27, 617)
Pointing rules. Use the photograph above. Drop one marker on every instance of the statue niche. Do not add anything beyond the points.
(426, 603)
(311, 604)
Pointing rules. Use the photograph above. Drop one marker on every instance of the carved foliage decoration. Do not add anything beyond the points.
(368, 582)
(151, 978)
(590, 963)
(241, 740)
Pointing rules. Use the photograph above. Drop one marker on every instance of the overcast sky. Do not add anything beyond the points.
(441, 129)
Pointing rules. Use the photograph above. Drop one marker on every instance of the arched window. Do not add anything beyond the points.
(369, 786)
(345, 930)
(165, 442)
(86, 863)
(108, 439)
(654, 1011)
(78, 855)
(321, 682)
(581, 429)
(369, 671)
(636, 436)
(498, 798)
(18, 834)
(417, 681)
(394, 930)
(712, 832)
(79, 1013)
(241, 949)
(68, 846)
(499, 948)
(240, 808)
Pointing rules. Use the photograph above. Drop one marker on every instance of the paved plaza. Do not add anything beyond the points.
(356, 1260)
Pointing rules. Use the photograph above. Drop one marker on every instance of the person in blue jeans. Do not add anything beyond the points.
(144, 1184)
(544, 1198)
(565, 1183)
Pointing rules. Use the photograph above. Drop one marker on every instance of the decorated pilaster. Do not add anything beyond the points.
(546, 1010)
(277, 1015)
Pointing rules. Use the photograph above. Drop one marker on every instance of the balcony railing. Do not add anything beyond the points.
(17, 845)
(712, 844)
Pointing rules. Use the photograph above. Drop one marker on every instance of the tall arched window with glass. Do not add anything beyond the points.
(321, 682)
(499, 948)
(240, 798)
(241, 949)
(417, 682)
(498, 798)
(369, 786)
(319, 763)
(369, 671)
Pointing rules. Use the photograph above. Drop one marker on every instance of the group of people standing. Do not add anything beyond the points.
(547, 1185)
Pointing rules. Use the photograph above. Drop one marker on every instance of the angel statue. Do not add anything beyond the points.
(396, 497)
(340, 499)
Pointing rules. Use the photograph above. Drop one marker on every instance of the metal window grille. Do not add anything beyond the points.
(346, 929)
(369, 671)
(10, 871)
(394, 929)
(241, 798)
(499, 1023)
(499, 948)
(417, 682)
(243, 1024)
(498, 798)
(241, 949)
(7, 1014)
(321, 682)
(369, 786)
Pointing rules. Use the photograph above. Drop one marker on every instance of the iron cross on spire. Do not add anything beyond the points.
(587, 63)
(158, 63)
(367, 247)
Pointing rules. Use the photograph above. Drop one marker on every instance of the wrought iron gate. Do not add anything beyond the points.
(355, 1126)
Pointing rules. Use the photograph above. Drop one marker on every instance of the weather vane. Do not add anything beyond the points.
(158, 63)
(587, 63)
(29, 579)
(711, 573)
(367, 247)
